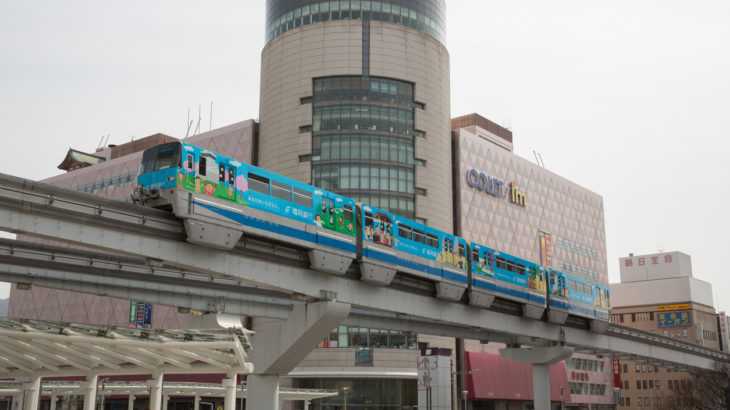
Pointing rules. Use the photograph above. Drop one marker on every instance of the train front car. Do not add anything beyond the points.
(589, 300)
(220, 198)
(158, 176)
(391, 244)
(514, 279)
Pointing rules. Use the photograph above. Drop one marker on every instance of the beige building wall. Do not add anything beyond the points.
(572, 215)
(654, 285)
(291, 61)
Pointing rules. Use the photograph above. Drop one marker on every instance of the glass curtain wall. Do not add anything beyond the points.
(362, 140)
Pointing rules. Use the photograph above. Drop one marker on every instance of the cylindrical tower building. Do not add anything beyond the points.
(355, 99)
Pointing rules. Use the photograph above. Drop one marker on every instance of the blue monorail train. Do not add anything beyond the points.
(220, 199)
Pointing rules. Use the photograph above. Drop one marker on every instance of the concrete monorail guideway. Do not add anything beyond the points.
(143, 252)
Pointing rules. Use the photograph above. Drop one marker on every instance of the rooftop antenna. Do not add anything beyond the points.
(190, 124)
(197, 126)
(103, 142)
(538, 158)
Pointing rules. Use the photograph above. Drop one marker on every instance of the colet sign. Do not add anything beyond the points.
(496, 187)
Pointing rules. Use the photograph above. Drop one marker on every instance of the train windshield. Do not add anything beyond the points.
(161, 157)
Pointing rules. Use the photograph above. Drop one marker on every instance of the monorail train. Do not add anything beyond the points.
(220, 199)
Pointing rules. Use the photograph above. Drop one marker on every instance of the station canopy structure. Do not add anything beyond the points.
(33, 348)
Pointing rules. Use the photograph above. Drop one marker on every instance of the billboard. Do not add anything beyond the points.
(140, 314)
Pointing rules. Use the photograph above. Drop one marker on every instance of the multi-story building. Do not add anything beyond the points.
(541, 217)
(355, 98)
(658, 293)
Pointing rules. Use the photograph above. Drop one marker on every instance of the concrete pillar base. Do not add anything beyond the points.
(266, 388)
(539, 358)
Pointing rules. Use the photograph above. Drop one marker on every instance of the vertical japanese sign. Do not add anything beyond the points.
(616, 373)
(132, 313)
(546, 250)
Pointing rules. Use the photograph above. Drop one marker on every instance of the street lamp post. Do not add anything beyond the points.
(464, 394)
(345, 390)
(562, 389)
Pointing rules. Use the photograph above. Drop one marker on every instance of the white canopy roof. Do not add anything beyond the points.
(50, 349)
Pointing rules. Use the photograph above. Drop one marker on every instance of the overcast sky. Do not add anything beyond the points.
(630, 99)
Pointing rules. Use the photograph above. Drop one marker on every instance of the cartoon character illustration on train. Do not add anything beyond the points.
(220, 199)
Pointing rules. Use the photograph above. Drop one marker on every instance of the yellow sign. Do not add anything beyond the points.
(662, 308)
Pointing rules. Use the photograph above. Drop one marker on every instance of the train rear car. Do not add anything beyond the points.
(391, 244)
(220, 198)
(589, 300)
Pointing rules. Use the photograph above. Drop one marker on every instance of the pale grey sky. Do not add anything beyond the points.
(626, 98)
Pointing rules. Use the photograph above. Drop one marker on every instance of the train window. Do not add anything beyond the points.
(520, 269)
(462, 250)
(347, 212)
(501, 263)
(368, 219)
(404, 231)
(302, 197)
(475, 254)
(281, 191)
(258, 183)
(432, 240)
(221, 172)
(167, 158)
(419, 236)
(190, 161)
(202, 166)
(231, 175)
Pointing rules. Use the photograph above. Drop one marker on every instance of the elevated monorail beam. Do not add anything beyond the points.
(61, 215)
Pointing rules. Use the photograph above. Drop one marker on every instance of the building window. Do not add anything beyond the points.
(424, 21)
(305, 100)
(362, 141)
(305, 128)
(626, 368)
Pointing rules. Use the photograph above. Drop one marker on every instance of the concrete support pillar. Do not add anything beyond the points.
(164, 402)
(32, 391)
(130, 402)
(196, 402)
(306, 404)
(54, 400)
(541, 384)
(155, 385)
(263, 392)
(278, 350)
(539, 358)
(229, 385)
(88, 387)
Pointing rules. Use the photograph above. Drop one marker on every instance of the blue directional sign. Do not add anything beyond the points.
(673, 319)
